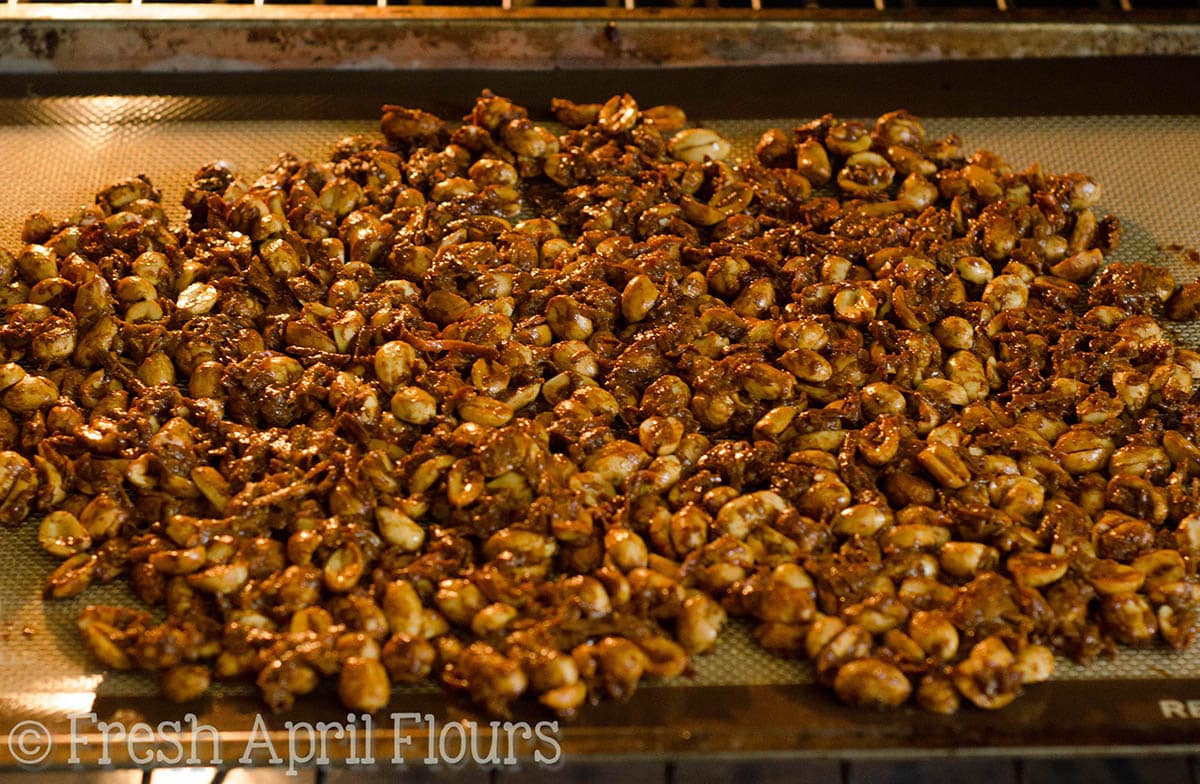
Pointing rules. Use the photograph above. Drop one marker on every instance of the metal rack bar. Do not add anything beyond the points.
(1003, 7)
(159, 37)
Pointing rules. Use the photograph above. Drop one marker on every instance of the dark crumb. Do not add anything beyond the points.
(1191, 255)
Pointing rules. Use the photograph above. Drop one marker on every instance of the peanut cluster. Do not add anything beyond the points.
(533, 414)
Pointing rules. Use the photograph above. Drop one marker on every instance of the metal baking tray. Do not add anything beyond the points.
(57, 151)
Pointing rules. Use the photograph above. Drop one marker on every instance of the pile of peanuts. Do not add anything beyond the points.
(533, 414)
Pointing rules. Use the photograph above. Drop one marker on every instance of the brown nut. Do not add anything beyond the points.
(363, 685)
(185, 682)
(61, 534)
(18, 487)
(30, 393)
(944, 465)
(873, 683)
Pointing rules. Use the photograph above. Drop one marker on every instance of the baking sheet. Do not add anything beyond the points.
(56, 154)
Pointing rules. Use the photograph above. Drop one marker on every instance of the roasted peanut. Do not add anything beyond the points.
(990, 676)
(61, 534)
(363, 685)
(185, 682)
(18, 486)
(944, 465)
(694, 145)
(872, 682)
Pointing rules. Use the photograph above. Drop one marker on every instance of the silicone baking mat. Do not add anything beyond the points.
(56, 153)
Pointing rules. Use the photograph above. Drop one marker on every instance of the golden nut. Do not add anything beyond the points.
(695, 145)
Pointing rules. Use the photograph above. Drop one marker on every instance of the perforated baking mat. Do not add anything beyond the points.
(57, 153)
